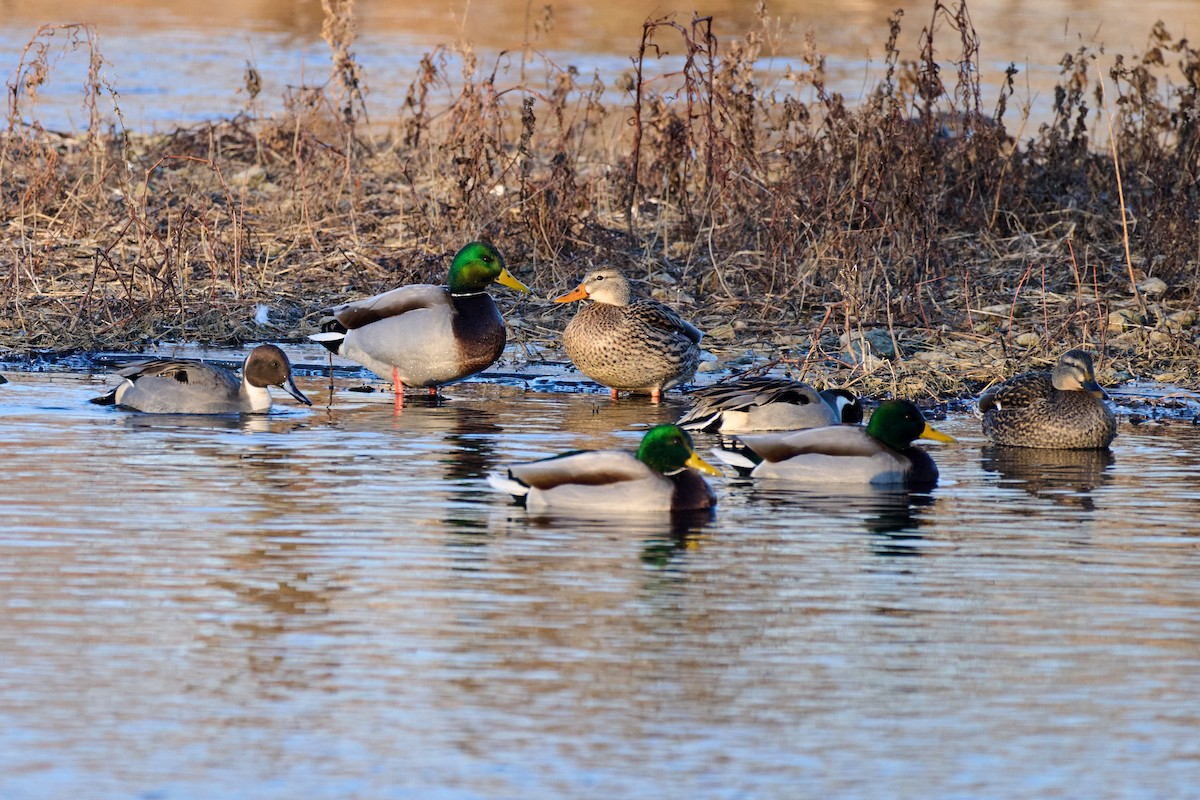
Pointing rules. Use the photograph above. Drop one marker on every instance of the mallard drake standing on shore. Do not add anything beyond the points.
(426, 335)
(1062, 409)
(628, 345)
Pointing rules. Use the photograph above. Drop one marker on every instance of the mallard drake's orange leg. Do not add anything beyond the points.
(398, 387)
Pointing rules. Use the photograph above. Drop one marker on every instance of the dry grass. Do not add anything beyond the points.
(784, 221)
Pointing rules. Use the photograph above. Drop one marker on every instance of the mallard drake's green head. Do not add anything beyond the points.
(668, 449)
(608, 286)
(476, 267)
(1074, 372)
(899, 423)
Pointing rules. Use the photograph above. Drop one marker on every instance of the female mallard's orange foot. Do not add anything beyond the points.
(433, 391)
(655, 394)
(615, 393)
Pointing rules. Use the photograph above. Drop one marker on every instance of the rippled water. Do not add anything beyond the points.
(329, 603)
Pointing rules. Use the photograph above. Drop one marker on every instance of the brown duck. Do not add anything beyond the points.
(633, 345)
(1062, 409)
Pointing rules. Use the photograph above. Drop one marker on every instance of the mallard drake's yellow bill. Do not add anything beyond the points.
(698, 463)
(506, 279)
(932, 433)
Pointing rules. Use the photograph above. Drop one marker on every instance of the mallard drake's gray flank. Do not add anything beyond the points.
(881, 454)
(661, 477)
(178, 386)
(639, 346)
(1062, 409)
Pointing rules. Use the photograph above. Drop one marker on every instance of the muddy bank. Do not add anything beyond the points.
(917, 244)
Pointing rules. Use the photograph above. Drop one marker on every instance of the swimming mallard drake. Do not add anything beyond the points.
(426, 335)
(1062, 409)
(880, 454)
(768, 404)
(661, 477)
(640, 346)
(178, 386)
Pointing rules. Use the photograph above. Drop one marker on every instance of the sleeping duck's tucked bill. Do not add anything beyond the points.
(768, 404)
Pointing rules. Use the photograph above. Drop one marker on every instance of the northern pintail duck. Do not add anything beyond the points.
(624, 344)
(426, 335)
(768, 404)
(661, 477)
(1062, 409)
(179, 386)
(881, 454)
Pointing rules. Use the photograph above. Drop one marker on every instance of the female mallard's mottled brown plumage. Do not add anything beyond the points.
(640, 346)
(1063, 409)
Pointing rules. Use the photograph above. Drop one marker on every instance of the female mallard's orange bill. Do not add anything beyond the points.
(578, 293)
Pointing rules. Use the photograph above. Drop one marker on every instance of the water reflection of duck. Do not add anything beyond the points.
(460, 436)
(887, 511)
(1065, 475)
(1061, 409)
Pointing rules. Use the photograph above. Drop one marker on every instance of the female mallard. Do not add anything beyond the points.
(880, 454)
(426, 335)
(662, 477)
(640, 346)
(1062, 409)
(768, 404)
(177, 386)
